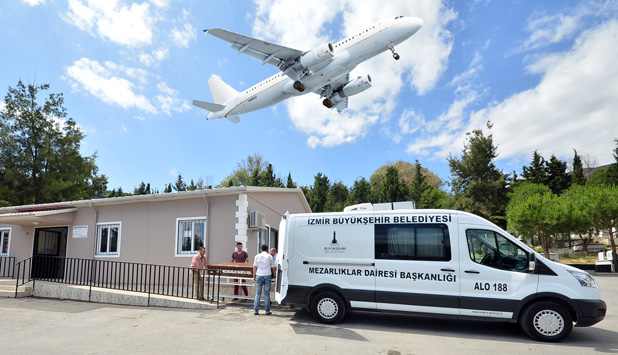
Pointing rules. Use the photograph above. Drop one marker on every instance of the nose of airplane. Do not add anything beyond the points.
(414, 24)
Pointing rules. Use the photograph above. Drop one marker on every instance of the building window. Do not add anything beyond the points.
(5, 241)
(190, 235)
(108, 239)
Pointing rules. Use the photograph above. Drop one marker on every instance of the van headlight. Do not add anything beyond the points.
(584, 279)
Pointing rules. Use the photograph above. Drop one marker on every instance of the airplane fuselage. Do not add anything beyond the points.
(348, 53)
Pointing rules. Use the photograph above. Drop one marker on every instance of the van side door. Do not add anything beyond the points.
(494, 273)
(416, 266)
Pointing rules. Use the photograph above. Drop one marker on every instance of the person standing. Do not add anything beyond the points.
(198, 266)
(263, 265)
(239, 256)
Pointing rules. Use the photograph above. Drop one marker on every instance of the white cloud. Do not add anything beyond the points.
(573, 106)
(168, 100)
(184, 36)
(102, 82)
(122, 24)
(155, 57)
(278, 20)
(546, 29)
(34, 2)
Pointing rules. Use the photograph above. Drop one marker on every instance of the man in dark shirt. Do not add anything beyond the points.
(239, 256)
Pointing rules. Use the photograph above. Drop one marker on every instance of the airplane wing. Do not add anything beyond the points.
(267, 52)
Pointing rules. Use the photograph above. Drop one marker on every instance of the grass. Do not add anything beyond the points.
(578, 258)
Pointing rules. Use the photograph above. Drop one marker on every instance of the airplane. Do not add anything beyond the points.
(324, 70)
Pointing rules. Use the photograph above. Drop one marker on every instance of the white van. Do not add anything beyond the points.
(439, 262)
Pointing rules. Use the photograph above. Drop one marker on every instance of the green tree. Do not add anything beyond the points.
(603, 200)
(578, 213)
(168, 188)
(142, 189)
(536, 173)
(247, 172)
(535, 211)
(180, 184)
(389, 187)
(477, 185)
(434, 198)
(192, 186)
(337, 197)
(600, 177)
(557, 178)
(421, 191)
(317, 195)
(360, 192)
(578, 170)
(39, 151)
(290, 183)
(267, 178)
(612, 170)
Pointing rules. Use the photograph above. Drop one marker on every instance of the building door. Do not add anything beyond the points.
(49, 251)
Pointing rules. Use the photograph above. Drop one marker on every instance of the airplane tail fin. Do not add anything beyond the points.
(221, 92)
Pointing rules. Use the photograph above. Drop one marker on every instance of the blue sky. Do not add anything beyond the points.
(545, 73)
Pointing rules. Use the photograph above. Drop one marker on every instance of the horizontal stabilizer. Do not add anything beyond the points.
(208, 106)
(234, 119)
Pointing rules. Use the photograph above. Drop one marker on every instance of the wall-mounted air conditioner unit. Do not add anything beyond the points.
(257, 220)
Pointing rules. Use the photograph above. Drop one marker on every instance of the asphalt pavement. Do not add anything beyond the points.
(50, 326)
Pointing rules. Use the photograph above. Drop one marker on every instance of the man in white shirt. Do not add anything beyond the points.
(263, 264)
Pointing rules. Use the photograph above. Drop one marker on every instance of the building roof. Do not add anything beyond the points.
(31, 210)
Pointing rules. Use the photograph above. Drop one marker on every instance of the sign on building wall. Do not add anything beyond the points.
(80, 231)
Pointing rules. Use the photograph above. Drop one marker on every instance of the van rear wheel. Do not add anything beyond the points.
(328, 307)
(547, 321)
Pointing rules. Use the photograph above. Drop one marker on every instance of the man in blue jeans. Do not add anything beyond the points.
(262, 266)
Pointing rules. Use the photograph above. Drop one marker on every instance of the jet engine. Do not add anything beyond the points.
(317, 55)
(355, 86)
(352, 87)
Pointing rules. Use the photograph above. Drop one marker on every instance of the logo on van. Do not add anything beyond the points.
(334, 247)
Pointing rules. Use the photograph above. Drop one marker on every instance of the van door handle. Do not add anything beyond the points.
(472, 272)
(448, 270)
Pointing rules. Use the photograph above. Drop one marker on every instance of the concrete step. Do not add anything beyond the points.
(102, 295)
(22, 291)
(7, 282)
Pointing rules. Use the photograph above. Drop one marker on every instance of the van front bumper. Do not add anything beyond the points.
(591, 312)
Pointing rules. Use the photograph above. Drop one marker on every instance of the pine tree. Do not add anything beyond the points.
(557, 178)
(290, 184)
(40, 158)
(360, 192)
(318, 193)
(536, 173)
(477, 185)
(578, 170)
(180, 185)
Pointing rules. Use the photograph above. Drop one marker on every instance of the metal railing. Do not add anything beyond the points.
(7, 266)
(152, 279)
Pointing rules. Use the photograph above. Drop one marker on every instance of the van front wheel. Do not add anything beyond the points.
(328, 307)
(547, 321)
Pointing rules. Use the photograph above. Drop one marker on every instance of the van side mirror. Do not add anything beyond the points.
(531, 263)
